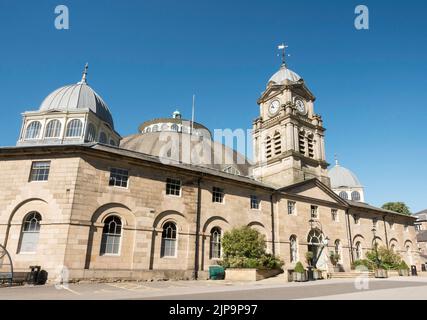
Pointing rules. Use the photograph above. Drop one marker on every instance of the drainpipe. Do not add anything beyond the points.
(273, 239)
(385, 230)
(349, 235)
(198, 213)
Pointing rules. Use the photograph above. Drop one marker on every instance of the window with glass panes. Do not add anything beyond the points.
(291, 207)
(254, 202)
(111, 234)
(217, 195)
(173, 187)
(314, 212)
(40, 171)
(30, 233)
(334, 213)
(119, 177)
(168, 248)
(215, 243)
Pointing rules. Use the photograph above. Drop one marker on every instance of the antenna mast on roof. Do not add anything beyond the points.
(192, 114)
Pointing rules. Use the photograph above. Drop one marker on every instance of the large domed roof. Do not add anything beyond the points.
(343, 177)
(77, 97)
(209, 153)
(284, 75)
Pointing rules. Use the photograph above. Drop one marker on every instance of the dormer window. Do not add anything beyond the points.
(102, 137)
(53, 129)
(33, 130)
(74, 128)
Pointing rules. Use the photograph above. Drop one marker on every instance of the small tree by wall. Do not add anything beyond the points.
(387, 259)
(245, 247)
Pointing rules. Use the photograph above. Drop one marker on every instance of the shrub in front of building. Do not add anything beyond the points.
(245, 248)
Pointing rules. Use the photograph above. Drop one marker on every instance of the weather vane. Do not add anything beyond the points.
(283, 48)
(84, 75)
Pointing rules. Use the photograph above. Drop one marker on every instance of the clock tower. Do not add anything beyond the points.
(288, 137)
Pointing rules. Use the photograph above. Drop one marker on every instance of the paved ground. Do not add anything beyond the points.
(270, 289)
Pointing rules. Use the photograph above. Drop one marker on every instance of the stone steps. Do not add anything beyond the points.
(350, 275)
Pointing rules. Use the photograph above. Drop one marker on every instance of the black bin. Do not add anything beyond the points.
(33, 275)
(414, 270)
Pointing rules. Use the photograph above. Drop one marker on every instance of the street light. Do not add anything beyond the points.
(374, 231)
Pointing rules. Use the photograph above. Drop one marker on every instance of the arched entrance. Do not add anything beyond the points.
(315, 243)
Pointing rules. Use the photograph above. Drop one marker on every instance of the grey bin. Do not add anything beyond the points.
(216, 273)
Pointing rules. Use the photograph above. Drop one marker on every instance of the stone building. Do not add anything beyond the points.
(421, 228)
(76, 194)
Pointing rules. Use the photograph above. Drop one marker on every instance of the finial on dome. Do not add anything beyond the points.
(84, 73)
(283, 47)
(336, 160)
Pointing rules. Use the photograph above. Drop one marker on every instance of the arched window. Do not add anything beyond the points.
(53, 129)
(102, 137)
(277, 143)
(91, 132)
(294, 249)
(30, 232)
(216, 243)
(112, 142)
(74, 128)
(111, 234)
(168, 248)
(148, 129)
(355, 196)
(174, 127)
(408, 253)
(155, 128)
(359, 251)
(268, 151)
(33, 130)
(338, 249)
(343, 195)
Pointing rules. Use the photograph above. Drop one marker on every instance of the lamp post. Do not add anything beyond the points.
(374, 231)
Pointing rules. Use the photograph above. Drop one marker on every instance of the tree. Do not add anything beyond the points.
(245, 247)
(399, 207)
(243, 242)
(387, 259)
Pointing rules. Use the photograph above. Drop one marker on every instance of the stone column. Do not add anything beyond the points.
(296, 139)
(290, 141)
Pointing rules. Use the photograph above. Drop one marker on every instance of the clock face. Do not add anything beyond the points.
(274, 107)
(300, 106)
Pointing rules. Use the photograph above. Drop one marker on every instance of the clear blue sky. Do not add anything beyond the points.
(148, 57)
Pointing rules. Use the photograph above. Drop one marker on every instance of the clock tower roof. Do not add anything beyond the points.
(283, 76)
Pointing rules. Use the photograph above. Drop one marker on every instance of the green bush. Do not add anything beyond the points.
(299, 268)
(245, 248)
(387, 259)
(243, 242)
(364, 262)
